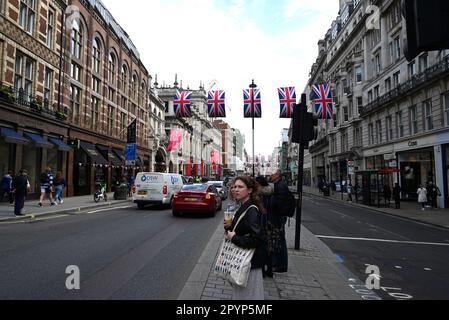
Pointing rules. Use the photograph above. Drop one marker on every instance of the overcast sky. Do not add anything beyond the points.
(233, 42)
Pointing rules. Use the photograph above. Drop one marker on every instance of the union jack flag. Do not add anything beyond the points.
(216, 104)
(324, 104)
(182, 105)
(251, 98)
(287, 97)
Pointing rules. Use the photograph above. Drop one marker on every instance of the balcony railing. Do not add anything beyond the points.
(442, 68)
(19, 97)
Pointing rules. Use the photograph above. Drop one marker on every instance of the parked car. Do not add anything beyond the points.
(197, 198)
(155, 188)
(221, 188)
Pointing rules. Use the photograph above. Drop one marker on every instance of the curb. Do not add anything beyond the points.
(378, 210)
(31, 216)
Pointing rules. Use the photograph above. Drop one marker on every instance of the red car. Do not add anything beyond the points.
(201, 198)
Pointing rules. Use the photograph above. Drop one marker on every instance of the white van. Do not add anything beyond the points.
(155, 188)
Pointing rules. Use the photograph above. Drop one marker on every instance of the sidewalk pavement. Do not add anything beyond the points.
(71, 204)
(409, 210)
(314, 273)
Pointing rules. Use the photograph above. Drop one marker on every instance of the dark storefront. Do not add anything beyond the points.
(370, 186)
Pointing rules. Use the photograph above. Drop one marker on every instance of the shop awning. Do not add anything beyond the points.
(12, 136)
(60, 144)
(120, 154)
(38, 140)
(92, 152)
(115, 161)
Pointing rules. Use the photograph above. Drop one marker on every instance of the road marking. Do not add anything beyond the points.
(115, 208)
(384, 240)
(427, 269)
(398, 267)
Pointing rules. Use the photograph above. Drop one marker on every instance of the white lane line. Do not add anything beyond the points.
(384, 240)
(398, 267)
(115, 208)
(427, 269)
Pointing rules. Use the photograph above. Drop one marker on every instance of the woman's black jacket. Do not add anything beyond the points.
(249, 233)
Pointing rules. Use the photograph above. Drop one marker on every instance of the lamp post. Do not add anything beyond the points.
(253, 86)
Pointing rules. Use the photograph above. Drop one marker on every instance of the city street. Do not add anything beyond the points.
(412, 257)
(121, 253)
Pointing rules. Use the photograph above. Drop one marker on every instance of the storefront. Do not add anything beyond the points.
(371, 184)
(9, 138)
(417, 168)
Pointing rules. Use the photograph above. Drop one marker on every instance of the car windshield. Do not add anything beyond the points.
(218, 185)
(193, 187)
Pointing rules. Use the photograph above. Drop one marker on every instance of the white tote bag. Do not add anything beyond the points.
(233, 262)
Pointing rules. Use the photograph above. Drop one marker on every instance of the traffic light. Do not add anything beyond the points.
(310, 127)
(427, 26)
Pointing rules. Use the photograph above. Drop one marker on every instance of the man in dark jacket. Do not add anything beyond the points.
(280, 197)
(20, 189)
(397, 196)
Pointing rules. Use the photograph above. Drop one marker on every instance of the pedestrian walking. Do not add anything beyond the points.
(397, 196)
(387, 194)
(6, 187)
(20, 187)
(422, 196)
(248, 235)
(60, 185)
(270, 232)
(350, 190)
(46, 186)
(279, 198)
(434, 193)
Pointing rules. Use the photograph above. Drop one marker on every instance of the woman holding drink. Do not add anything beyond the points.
(248, 234)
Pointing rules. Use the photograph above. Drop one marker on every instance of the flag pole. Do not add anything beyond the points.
(253, 86)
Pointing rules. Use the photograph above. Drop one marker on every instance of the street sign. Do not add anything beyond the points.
(130, 154)
(350, 163)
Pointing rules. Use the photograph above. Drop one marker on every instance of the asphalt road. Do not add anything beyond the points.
(120, 254)
(413, 258)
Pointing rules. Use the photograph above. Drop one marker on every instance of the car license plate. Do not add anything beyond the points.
(142, 193)
(190, 199)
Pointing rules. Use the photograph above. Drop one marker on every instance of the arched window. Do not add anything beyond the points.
(96, 55)
(134, 86)
(142, 94)
(124, 77)
(111, 68)
(76, 37)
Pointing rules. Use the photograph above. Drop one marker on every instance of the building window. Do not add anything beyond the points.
(446, 108)
(370, 96)
(358, 74)
(75, 72)
(396, 79)
(48, 84)
(111, 94)
(345, 114)
(375, 37)
(50, 28)
(360, 105)
(378, 131)
(134, 87)
(24, 74)
(397, 49)
(376, 92)
(111, 69)
(124, 103)
(428, 117)
(399, 125)
(377, 63)
(96, 55)
(95, 102)
(370, 134)
(388, 85)
(413, 120)
(124, 78)
(123, 123)
(76, 38)
(389, 123)
(411, 69)
(96, 85)
(358, 136)
(26, 15)
(110, 121)
(394, 15)
(351, 108)
(423, 62)
(75, 101)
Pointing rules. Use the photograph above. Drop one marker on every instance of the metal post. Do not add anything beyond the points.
(253, 86)
(302, 111)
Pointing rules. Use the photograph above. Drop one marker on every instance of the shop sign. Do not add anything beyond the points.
(393, 164)
(412, 144)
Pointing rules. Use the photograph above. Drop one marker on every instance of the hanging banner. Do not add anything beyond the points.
(252, 104)
(175, 139)
(216, 104)
(324, 104)
(182, 106)
(287, 98)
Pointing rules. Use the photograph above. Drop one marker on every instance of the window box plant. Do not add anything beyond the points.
(36, 105)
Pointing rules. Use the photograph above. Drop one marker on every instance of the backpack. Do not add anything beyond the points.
(289, 207)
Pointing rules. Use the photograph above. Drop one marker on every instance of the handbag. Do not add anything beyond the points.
(233, 262)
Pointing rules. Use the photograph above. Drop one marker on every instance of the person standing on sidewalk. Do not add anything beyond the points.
(46, 185)
(279, 198)
(397, 196)
(422, 196)
(387, 194)
(434, 193)
(20, 188)
(248, 234)
(6, 187)
(60, 184)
